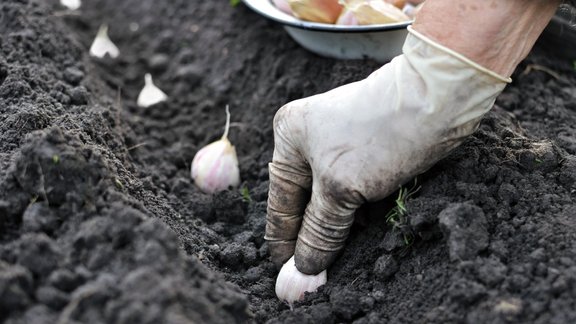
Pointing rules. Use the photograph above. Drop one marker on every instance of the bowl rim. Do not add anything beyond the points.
(268, 10)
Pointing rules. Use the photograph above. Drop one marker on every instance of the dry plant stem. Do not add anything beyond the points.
(497, 34)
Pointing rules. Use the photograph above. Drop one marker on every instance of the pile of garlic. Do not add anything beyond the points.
(350, 12)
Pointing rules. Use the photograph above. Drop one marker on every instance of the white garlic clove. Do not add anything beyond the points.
(150, 94)
(291, 284)
(102, 44)
(283, 6)
(347, 18)
(323, 11)
(215, 167)
(71, 4)
(371, 12)
(411, 10)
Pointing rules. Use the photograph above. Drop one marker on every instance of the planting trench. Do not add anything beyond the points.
(100, 222)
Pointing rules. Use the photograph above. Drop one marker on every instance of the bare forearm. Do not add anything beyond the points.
(496, 34)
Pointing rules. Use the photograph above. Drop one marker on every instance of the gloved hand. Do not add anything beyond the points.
(360, 142)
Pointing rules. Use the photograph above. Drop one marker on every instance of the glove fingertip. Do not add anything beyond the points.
(281, 251)
(312, 261)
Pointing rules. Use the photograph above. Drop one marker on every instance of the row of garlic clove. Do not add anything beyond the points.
(103, 45)
(215, 167)
(350, 12)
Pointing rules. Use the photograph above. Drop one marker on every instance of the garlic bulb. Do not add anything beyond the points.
(370, 12)
(102, 44)
(215, 166)
(323, 11)
(291, 284)
(150, 94)
(71, 4)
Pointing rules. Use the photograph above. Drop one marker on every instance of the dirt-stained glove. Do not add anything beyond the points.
(362, 141)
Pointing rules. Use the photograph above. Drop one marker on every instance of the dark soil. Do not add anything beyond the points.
(100, 222)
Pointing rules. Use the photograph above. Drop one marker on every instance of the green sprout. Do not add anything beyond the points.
(245, 193)
(396, 217)
(118, 183)
(55, 158)
(234, 3)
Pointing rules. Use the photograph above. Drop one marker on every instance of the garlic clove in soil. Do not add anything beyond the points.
(291, 284)
(150, 94)
(71, 4)
(102, 44)
(215, 166)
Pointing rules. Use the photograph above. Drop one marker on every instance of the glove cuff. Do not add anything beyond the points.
(458, 56)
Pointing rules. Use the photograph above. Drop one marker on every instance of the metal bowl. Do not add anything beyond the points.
(377, 42)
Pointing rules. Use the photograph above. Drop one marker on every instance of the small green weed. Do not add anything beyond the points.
(245, 193)
(118, 183)
(396, 217)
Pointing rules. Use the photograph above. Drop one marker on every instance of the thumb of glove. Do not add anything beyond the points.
(325, 228)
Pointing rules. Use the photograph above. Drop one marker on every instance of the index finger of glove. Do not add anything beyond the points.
(289, 193)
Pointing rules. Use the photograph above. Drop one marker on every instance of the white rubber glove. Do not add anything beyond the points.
(362, 141)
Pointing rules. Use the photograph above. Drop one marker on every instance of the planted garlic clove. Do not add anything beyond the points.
(371, 12)
(215, 166)
(102, 44)
(71, 4)
(323, 11)
(291, 284)
(150, 94)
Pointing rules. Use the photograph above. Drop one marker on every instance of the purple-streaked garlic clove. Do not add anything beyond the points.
(291, 284)
(215, 166)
